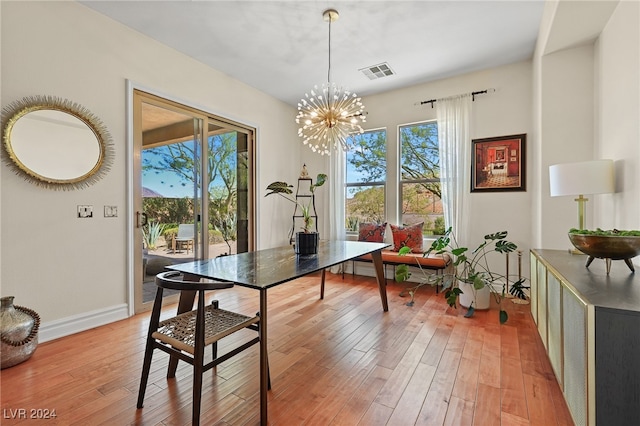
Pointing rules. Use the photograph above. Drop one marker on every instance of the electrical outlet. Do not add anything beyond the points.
(110, 211)
(85, 211)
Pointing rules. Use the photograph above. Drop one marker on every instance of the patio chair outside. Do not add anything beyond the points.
(185, 236)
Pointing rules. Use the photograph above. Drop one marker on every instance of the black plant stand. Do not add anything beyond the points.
(305, 197)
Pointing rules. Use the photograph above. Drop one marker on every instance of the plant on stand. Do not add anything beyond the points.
(469, 271)
(284, 190)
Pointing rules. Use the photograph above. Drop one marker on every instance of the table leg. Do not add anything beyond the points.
(376, 256)
(264, 367)
(322, 284)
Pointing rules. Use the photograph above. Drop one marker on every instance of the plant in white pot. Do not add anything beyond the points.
(285, 191)
(470, 278)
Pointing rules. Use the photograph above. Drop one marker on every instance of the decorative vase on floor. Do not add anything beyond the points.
(306, 243)
(481, 299)
(18, 332)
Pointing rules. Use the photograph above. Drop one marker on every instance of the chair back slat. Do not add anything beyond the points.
(175, 281)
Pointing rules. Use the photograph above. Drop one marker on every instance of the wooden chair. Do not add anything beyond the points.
(187, 334)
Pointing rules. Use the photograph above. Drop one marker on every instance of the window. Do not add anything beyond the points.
(365, 178)
(419, 162)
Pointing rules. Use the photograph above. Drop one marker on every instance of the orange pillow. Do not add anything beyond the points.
(372, 232)
(407, 236)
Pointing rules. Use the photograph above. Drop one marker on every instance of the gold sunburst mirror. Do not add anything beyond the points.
(55, 143)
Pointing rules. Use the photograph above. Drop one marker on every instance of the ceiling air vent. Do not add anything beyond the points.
(377, 71)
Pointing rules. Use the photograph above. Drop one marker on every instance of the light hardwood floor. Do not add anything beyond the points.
(337, 361)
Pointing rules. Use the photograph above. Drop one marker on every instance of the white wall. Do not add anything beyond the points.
(507, 111)
(617, 68)
(566, 135)
(70, 269)
(586, 106)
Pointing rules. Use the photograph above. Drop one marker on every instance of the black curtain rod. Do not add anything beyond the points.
(473, 97)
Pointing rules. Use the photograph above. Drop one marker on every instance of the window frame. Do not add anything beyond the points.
(400, 181)
(382, 183)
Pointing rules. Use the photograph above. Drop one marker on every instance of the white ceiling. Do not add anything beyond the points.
(281, 47)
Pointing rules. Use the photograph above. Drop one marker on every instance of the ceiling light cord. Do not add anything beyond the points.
(329, 69)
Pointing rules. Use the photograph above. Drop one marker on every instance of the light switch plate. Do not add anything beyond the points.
(110, 211)
(85, 211)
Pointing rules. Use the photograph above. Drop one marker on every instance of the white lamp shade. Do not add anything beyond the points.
(587, 177)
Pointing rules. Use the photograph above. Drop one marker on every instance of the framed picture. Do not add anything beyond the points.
(498, 164)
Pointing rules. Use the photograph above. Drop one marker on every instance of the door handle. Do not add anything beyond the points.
(141, 219)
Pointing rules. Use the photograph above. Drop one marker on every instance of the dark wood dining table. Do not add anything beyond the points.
(263, 269)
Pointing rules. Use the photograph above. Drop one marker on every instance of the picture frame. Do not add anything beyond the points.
(498, 164)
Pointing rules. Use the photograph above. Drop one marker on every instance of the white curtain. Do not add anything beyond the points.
(336, 178)
(336, 196)
(453, 116)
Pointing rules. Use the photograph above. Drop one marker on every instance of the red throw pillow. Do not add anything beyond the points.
(407, 236)
(372, 232)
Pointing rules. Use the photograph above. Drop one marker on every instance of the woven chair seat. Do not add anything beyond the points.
(180, 331)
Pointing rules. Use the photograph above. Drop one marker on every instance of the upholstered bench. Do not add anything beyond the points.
(435, 262)
(409, 236)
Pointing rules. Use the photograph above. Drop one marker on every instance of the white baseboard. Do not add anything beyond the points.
(74, 324)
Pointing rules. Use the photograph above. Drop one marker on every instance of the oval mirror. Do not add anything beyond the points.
(56, 143)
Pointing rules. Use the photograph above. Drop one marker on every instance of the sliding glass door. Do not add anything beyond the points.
(193, 190)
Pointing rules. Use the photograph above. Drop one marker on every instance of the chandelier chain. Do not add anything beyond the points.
(329, 68)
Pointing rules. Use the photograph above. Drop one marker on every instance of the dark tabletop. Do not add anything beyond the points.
(620, 289)
(267, 268)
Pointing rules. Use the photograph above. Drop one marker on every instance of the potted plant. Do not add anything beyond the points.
(306, 240)
(469, 277)
(607, 244)
(151, 234)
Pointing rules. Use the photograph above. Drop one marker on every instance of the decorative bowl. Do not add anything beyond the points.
(612, 247)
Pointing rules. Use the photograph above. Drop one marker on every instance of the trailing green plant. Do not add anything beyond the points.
(284, 190)
(151, 233)
(471, 267)
(608, 233)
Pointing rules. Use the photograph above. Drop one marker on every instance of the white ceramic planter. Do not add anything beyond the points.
(481, 299)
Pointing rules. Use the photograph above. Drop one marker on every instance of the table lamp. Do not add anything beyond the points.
(586, 177)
